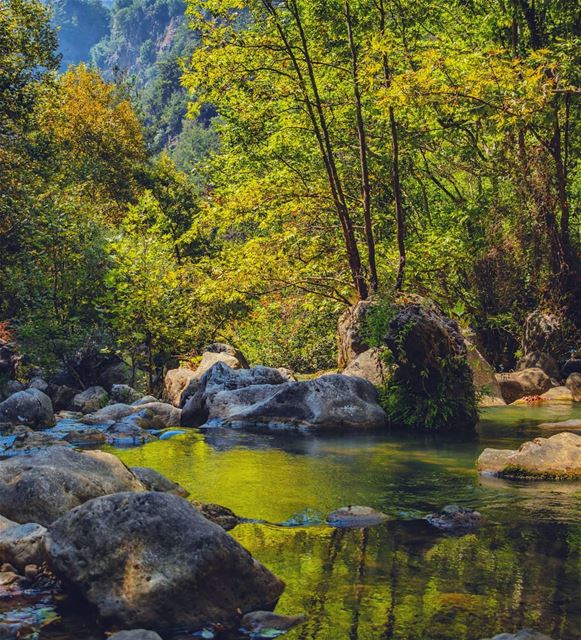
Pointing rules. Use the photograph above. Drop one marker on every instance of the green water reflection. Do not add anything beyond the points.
(400, 580)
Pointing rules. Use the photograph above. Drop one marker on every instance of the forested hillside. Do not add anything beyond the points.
(365, 149)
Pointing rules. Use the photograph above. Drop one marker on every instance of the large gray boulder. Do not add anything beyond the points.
(90, 400)
(554, 458)
(29, 407)
(330, 402)
(43, 486)
(124, 393)
(221, 377)
(520, 384)
(523, 634)
(151, 560)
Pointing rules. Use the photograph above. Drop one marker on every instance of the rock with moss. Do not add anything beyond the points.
(432, 386)
(554, 458)
(90, 400)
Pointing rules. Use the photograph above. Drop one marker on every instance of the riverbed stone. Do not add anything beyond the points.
(356, 517)
(554, 458)
(153, 480)
(153, 415)
(574, 385)
(25, 440)
(527, 382)
(523, 634)
(124, 393)
(29, 407)
(86, 437)
(564, 425)
(44, 485)
(90, 400)
(151, 560)
(23, 545)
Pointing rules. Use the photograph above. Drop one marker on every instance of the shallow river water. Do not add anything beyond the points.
(402, 580)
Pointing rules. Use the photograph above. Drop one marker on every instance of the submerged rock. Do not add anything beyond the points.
(24, 440)
(566, 425)
(86, 437)
(554, 458)
(356, 516)
(216, 513)
(43, 486)
(455, 519)
(152, 480)
(267, 621)
(135, 634)
(29, 407)
(151, 560)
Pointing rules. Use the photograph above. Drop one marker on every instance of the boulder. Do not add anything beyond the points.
(144, 400)
(153, 415)
(216, 513)
(175, 382)
(152, 480)
(432, 382)
(554, 458)
(557, 394)
(151, 560)
(44, 485)
(484, 378)
(30, 407)
(356, 517)
(130, 430)
(219, 378)
(114, 373)
(527, 382)
(539, 360)
(222, 347)
(135, 634)
(455, 519)
(574, 385)
(331, 402)
(62, 396)
(90, 400)
(22, 545)
(548, 332)
(351, 333)
(370, 366)
(209, 359)
(40, 384)
(123, 393)
(10, 387)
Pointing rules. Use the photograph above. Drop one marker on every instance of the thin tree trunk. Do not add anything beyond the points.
(319, 124)
(365, 185)
(395, 174)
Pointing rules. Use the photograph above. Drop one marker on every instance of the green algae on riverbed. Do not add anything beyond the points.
(401, 580)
